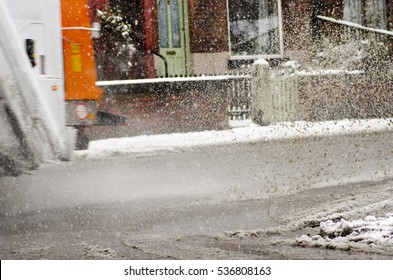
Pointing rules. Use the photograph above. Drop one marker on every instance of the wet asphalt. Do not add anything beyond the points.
(89, 209)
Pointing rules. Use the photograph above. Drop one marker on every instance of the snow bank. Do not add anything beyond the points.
(261, 61)
(345, 235)
(241, 132)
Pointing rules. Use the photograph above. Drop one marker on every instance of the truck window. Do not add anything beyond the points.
(30, 50)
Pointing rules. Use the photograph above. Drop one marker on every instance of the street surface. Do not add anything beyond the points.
(235, 201)
(9, 145)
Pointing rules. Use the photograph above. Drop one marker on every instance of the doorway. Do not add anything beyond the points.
(173, 36)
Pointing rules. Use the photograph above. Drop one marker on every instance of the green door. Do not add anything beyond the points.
(173, 36)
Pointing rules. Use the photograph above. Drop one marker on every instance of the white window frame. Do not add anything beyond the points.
(267, 56)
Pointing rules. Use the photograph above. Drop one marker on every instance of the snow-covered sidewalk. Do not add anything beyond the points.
(241, 132)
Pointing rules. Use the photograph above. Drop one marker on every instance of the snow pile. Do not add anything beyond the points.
(346, 235)
(261, 61)
(240, 133)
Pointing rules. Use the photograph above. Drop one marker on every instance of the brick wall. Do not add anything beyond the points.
(389, 14)
(208, 26)
(333, 97)
(296, 17)
(95, 5)
(209, 23)
(165, 108)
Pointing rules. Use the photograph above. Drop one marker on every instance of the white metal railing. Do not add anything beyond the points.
(284, 97)
(239, 93)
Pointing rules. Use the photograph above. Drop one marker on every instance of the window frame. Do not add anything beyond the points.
(266, 56)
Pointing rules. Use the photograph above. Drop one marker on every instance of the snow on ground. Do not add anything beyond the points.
(346, 235)
(342, 234)
(241, 132)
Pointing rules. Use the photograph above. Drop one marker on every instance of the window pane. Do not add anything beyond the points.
(163, 24)
(175, 23)
(353, 11)
(375, 13)
(254, 27)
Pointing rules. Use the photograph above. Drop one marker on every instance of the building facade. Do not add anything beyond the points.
(194, 37)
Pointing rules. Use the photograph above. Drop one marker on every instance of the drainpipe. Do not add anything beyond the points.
(148, 33)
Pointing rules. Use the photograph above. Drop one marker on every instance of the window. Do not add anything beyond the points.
(30, 50)
(163, 24)
(169, 23)
(353, 11)
(175, 23)
(255, 28)
(371, 13)
(375, 13)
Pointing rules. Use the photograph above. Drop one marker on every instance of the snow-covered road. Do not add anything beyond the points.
(196, 194)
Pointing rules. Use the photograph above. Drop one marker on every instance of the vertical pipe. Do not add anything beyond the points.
(149, 37)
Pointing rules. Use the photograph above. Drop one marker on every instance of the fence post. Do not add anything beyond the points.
(261, 112)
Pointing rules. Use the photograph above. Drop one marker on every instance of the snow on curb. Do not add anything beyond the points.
(241, 132)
